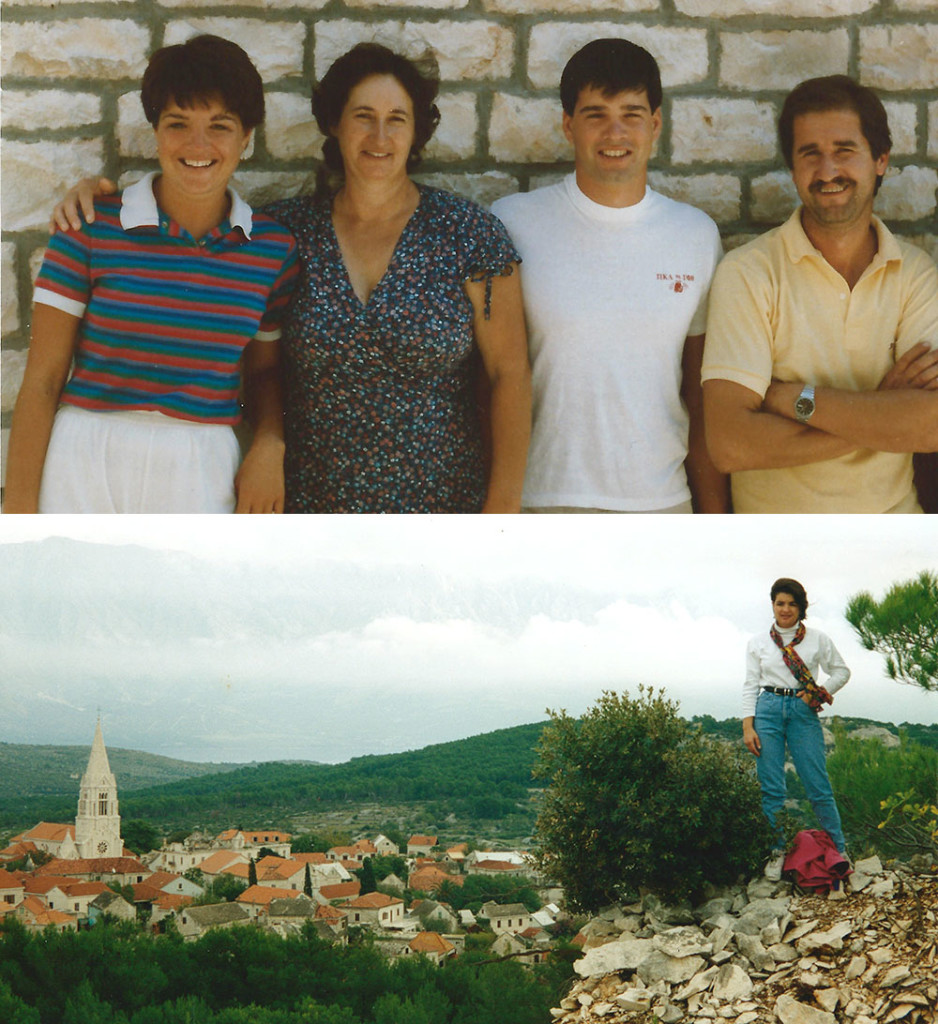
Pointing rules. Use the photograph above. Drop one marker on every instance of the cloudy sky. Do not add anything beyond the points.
(321, 638)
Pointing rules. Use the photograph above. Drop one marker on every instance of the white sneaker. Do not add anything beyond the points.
(773, 867)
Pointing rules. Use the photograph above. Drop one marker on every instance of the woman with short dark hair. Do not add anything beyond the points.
(781, 700)
(406, 374)
(170, 304)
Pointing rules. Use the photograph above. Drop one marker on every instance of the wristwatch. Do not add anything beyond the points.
(804, 404)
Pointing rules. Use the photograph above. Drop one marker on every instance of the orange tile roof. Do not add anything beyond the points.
(41, 914)
(161, 878)
(430, 878)
(422, 841)
(345, 852)
(216, 862)
(310, 858)
(431, 942)
(94, 866)
(374, 901)
(50, 831)
(84, 888)
(9, 881)
(338, 890)
(497, 865)
(263, 894)
(172, 901)
(239, 870)
(325, 912)
(146, 893)
(17, 850)
(41, 885)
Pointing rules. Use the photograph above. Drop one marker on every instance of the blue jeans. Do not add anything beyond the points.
(780, 720)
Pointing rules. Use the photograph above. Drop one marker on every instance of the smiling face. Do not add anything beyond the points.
(786, 611)
(376, 130)
(613, 138)
(833, 168)
(198, 148)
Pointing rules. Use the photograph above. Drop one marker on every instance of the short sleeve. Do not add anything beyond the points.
(279, 299)
(739, 331)
(485, 249)
(64, 280)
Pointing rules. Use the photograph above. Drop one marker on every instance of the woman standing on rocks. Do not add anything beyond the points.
(781, 700)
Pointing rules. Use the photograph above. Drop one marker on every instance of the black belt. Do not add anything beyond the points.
(782, 691)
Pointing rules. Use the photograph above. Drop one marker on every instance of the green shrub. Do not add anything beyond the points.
(639, 798)
(866, 775)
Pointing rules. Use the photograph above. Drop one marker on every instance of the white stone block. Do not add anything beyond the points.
(681, 53)
(35, 173)
(710, 130)
(260, 187)
(482, 188)
(523, 130)
(933, 130)
(773, 197)
(455, 136)
(903, 126)
(908, 194)
(436, 5)
(290, 128)
(76, 48)
(894, 57)
(781, 59)
(719, 195)
(307, 5)
(473, 50)
(36, 109)
(779, 8)
(275, 47)
(135, 135)
(524, 7)
(12, 367)
(9, 301)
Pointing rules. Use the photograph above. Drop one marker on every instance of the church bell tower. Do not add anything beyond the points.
(98, 825)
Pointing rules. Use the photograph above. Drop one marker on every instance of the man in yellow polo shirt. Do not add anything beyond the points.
(821, 361)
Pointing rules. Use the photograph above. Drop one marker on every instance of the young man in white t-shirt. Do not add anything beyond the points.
(615, 280)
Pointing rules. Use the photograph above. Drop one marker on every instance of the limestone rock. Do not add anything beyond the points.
(790, 1011)
(613, 956)
(732, 982)
(683, 941)
(658, 966)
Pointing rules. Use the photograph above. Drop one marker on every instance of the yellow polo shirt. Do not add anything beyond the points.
(779, 309)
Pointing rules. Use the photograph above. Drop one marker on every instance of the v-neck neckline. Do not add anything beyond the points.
(359, 305)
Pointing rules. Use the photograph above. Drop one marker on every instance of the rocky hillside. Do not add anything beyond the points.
(764, 953)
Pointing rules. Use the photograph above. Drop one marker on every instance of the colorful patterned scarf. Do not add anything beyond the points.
(817, 695)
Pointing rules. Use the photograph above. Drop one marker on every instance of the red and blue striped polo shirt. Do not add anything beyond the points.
(164, 317)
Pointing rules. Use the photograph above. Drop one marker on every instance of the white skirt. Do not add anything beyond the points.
(139, 462)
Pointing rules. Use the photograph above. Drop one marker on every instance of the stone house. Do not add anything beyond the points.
(335, 919)
(252, 841)
(111, 903)
(385, 848)
(375, 910)
(433, 946)
(430, 877)
(195, 921)
(11, 890)
(257, 898)
(123, 870)
(50, 837)
(508, 917)
(435, 916)
(168, 882)
(219, 861)
(420, 846)
(36, 916)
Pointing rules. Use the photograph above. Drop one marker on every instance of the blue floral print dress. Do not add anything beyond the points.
(380, 405)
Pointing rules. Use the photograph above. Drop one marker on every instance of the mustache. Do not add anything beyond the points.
(818, 185)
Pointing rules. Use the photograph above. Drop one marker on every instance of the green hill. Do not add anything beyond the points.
(485, 778)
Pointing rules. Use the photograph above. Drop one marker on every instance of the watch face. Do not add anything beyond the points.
(804, 406)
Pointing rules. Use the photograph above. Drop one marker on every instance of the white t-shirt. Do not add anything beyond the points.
(610, 295)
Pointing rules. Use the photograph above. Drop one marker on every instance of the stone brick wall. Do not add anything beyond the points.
(71, 71)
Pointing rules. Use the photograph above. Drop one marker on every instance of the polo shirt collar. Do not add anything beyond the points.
(139, 209)
(799, 246)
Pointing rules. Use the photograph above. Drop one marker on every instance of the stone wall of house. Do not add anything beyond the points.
(71, 71)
